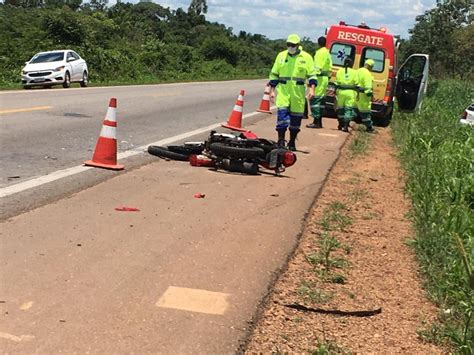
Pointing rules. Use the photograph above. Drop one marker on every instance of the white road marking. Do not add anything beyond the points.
(16, 338)
(25, 185)
(194, 300)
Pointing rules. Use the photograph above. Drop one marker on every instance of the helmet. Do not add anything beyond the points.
(293, 38)
(370, 62)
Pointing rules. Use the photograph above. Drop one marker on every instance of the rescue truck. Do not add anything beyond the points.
(360, 42)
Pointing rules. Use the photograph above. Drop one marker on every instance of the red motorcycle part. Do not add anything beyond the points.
(200, 160)
(289, 159)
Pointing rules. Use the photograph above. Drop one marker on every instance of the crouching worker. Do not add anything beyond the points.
(364, 99)
(346, 94)
(288, 76)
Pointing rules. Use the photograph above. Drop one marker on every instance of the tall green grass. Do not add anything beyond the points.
(437, 153)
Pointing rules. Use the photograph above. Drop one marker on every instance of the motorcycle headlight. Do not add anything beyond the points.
(59, 68)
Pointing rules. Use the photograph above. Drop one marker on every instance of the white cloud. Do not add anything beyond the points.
(308, 18)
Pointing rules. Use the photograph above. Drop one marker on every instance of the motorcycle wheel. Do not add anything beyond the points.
(221, 149)
(163, 152)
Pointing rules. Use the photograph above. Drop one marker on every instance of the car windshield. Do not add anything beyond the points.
(48, 57)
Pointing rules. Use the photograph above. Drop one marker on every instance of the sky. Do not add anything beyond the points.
(277, 18)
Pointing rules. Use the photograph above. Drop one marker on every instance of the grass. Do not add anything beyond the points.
(437, 155)
(360, 143)
(335, 218)
(309, 292)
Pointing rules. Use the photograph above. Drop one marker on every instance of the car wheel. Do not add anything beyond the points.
(67, 80)
(85, 80)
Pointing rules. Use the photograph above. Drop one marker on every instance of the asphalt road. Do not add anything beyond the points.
(46, 130)
(183, 275)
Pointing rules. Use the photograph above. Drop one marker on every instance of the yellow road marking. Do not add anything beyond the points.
(26, 109)
(165, 94)
(15, 338)
(26, 306)
(327, 135)
(193, 300)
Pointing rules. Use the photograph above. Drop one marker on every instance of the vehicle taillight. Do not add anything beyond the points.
(388, 92)
(289, 158)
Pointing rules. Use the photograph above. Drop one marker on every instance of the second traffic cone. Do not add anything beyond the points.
(265, 103)
(234, 121)
(105, 154)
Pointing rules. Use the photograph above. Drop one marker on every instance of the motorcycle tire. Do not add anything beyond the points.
(221, 149)
(163, 152)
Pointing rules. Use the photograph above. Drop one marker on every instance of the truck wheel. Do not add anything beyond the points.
(385, 121)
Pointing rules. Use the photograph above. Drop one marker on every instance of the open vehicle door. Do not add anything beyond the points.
(412, 81)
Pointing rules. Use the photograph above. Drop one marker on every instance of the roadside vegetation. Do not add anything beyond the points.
(438, 157)
(131, 43)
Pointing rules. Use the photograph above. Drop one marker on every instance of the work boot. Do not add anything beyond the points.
(281, 138)
(316, 124)
(370, 129)
(292, 141)
(339, 125)
(345, 128)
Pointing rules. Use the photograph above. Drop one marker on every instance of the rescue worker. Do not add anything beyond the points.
(346, 94)
(323, 65)
(364, 99)
(289, 73)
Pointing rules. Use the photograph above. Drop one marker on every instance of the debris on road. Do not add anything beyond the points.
(368, 313)
(127, 209)
(199, 195)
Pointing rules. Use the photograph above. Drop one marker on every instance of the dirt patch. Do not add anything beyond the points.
(353, 256)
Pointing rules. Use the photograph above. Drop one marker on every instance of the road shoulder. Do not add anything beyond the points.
(353, 256)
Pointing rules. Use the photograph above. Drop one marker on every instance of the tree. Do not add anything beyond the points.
(436, 33)
(197, 7)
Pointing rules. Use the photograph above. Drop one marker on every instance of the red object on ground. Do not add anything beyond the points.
(265, 103)
(249, 135)
(127, 209)
(234, 121)
(199, 195)
(105, 153)
(200, 160)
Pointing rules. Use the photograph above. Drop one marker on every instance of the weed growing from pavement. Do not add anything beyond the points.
(327, 245)
(335, 218)
(360, 142)
(309, 292)
(436, 153)
(326, 347)
(357, 195)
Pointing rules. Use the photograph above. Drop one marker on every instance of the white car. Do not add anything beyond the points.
(468, 115)
(55, 67)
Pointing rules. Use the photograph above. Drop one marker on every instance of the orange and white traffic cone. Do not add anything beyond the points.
(234, 121)
(265, 103)
(105, 154)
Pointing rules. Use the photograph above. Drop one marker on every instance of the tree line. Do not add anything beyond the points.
(446, 33)
(146, 42)
(143, 42)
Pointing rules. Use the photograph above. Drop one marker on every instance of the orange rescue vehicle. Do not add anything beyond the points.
(362, 42)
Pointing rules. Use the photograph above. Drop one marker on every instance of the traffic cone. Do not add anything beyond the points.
(105, 154)
(235, 119)
(265, 103)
